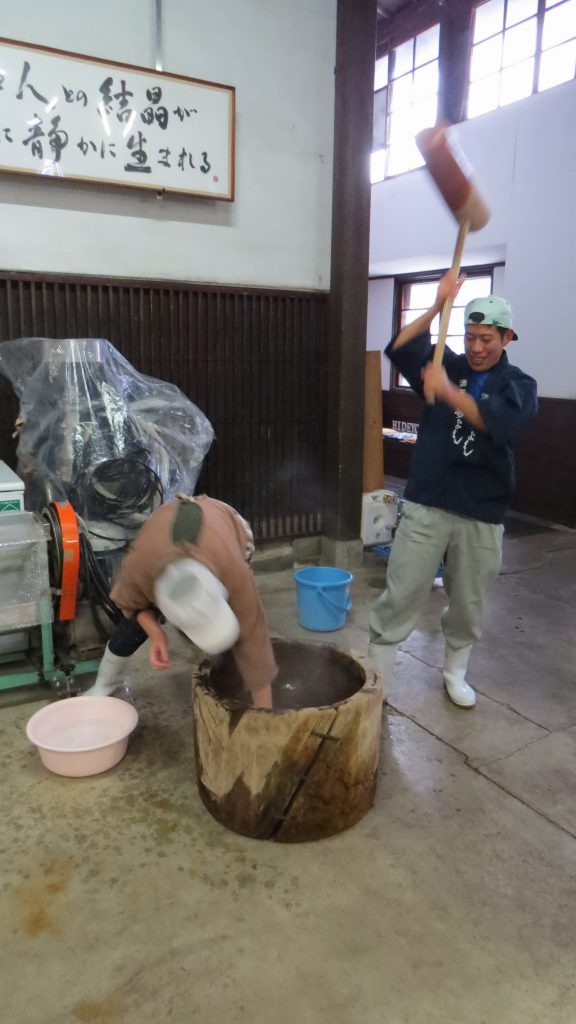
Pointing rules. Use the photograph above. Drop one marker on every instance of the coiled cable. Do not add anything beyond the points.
(122, 491)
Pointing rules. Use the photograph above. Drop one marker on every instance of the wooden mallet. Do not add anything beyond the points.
(452, 177)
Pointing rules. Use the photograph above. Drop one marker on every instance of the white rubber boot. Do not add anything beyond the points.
(110, 675)
(382, 657)
(454, 674)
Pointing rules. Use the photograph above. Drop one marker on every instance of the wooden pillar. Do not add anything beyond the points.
(455, 20)
(354, 102)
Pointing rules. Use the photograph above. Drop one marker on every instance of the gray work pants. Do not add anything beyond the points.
(473, 554)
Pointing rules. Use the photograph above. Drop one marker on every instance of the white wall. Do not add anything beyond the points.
(380, 312)
(280, 57)
(524, 157)
(379, 327)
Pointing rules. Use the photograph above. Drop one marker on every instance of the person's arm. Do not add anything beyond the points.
(159, 657)
(448, 288)
(262, 698)
(437, 384)
(252, 651)
(507, 410)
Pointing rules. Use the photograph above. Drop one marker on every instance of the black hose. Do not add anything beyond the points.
(122, 491)
(96, 590)
(55, 551)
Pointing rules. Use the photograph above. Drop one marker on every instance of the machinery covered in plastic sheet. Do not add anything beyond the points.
(95, 432)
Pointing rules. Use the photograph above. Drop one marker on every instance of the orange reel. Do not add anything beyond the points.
(70, 560)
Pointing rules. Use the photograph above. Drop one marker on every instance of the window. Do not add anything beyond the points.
(416, 295)
(558, 57)
(405, 101)
(517, 49)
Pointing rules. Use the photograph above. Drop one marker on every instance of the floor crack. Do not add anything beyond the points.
(478, 771)
(493, 700)
(511, 753)
(524, 803)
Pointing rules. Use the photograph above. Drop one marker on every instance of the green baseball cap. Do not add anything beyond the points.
(490, 310)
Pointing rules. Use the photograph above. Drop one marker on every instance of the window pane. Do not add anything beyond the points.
(401, 93)
(517, 82)
(427, 44)
(403, 156)
(484, 95)
(378, 166)
(486, 58)
(519, 43)
(455, 323)
(423, 114)
(488, 19)
(557, 65)
(381, 73)
(379, 121)
(517, 10)
(552, 3)
(410, 315)
(398, 127)
(473, 288)
(419, 296)
(455, 342)
(403, 60)
(559, 24)
(426, 81)
(405, 102)
(422, 294)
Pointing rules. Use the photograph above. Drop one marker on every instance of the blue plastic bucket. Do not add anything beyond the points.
(323, 597)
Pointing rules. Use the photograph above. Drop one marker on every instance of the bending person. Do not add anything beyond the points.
(190, 562)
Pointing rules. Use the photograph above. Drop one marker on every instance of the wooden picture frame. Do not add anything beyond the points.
(78, 118)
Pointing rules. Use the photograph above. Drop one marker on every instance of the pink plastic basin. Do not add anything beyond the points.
(82, 735)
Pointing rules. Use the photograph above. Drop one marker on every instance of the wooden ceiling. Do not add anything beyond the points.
(387, 9)
(399, 19)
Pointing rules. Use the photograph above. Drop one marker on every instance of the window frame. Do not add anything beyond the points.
(420, 277)
(540, 14)
(455, 18)
(391, 81)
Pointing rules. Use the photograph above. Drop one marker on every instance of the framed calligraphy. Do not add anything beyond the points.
(65, 115)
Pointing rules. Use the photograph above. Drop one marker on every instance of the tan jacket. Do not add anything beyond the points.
(221, 547)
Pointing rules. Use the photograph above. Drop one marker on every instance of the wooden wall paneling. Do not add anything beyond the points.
(253, 360)
(546, 463)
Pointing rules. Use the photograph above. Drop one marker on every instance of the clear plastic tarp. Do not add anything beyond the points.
(24, 582)
(95, 432)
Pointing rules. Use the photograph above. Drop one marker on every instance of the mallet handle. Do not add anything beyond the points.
(448, 302)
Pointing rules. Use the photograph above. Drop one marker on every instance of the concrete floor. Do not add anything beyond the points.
(452, 902)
